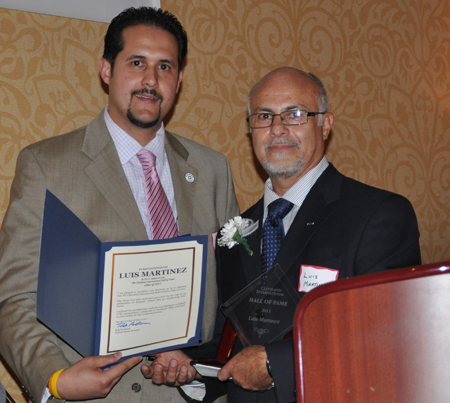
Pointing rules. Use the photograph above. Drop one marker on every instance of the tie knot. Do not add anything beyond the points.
(146, 158)
(277, 210)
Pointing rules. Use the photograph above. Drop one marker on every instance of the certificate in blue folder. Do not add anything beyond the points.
(137, 297)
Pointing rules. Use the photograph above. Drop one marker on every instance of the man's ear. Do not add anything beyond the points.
(105, 70)
(328, 120)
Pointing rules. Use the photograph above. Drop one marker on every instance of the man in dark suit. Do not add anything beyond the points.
(96, 172)
(328, 222)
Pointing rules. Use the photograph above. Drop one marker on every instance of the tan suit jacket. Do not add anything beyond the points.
(82, 168)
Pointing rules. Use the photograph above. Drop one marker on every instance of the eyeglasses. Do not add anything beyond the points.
(288, 118)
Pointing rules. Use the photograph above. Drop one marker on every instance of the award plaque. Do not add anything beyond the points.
(259, 314)
(264, 310)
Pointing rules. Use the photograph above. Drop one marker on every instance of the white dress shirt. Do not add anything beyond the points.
(127, 148)
(296, 194)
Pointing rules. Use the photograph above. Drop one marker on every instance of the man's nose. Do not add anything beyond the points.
(278, 128)
(150, 78)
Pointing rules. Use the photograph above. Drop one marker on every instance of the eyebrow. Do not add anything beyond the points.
(168, 61)
(287, 108)
(141, 57)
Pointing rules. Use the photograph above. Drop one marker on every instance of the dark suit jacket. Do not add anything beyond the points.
(82, 169)
(357, 229)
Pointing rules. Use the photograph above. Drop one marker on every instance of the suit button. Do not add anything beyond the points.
(136, 387)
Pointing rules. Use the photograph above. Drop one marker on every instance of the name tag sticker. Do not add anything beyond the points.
(213, 240)
(313, 276)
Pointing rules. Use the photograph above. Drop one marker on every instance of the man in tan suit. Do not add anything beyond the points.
(95, 171)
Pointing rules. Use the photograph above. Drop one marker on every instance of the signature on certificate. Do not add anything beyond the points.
(134, 323)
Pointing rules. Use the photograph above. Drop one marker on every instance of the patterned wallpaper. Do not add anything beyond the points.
(386, 68)
(385, 64)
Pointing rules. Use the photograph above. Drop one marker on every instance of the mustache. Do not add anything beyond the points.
(280, 142)
(147, 91)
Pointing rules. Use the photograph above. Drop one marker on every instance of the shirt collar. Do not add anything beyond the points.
(127, 147)
(297, 193)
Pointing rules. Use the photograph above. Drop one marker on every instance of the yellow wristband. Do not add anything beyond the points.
(52, 383)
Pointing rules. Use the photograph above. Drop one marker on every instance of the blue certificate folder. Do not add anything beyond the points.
(71, 275)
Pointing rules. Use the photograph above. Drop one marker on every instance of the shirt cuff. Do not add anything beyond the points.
(195, 390)
(46, 396)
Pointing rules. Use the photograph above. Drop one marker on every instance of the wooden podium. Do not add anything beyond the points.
(378, 338)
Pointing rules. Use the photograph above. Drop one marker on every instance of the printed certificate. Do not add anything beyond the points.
(151, 296)
(137, 297)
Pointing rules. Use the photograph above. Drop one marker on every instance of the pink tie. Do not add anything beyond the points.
(159, 210)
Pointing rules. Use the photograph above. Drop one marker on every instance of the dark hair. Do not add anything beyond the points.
(149, 16)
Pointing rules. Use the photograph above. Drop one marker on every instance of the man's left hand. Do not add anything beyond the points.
(172, 368)
(248, 369)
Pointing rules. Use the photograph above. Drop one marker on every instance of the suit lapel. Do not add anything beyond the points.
(185, 179)
(308, 220)
(106, 172)
(252, 264)
(316, 208)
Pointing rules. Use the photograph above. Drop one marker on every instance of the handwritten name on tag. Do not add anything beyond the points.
(313, 276)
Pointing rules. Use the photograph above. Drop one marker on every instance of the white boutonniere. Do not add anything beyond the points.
(232, 233)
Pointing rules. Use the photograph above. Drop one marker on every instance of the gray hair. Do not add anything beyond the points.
(322, 99)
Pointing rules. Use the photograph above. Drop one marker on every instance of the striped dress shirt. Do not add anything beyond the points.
(296, 194)
(127, 148)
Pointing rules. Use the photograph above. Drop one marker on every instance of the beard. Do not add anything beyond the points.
(144, 124)
(281, 169)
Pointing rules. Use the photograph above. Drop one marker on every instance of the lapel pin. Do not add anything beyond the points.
(189, 177)
(310, 223)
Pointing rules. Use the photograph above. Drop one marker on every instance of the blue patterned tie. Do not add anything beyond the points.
(273, 231)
